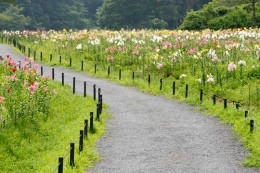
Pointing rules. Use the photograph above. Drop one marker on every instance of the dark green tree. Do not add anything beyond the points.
(13, 19)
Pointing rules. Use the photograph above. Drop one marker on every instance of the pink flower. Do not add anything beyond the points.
(36, 85)
(13, 78)
(2, 99)
(55, 92)
(31, 60)
(32, 89)
(25, 82)
(11, 63)
(159, 65)
(135, 52)
(110, 58)
(232, 66)
(35, 66)
(24, 67)
(45, 88)
(24, 59)
(112, 49)
(191, 51)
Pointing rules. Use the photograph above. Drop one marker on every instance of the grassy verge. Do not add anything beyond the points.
(35, 147)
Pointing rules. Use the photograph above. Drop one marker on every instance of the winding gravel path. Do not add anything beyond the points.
(152, 134)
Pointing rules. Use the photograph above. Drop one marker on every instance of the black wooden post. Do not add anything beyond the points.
(237, 105)
(60, 58)
(62, 78)
(82, 65)
(94, 92)
(201, 95)
(50, 57)
(74, 85)
(41, 56)
(97, 112)
(29, 52)
(81, 140)
(251, 126)
(173, 87)
(214, 99)
(225, 103)
(41, 70)
(99, 93)
(246, 114)
(101, 104)
(60, 163)
(108, 70)
(34, 55)
(95, 68)
(161, 84)
(149, 79)
(52, 73)
(120, 74)
(86, 128)
(91, 124)
(70, 62)
(85, 89)
(186, 90)
(72, 153)
(133, 75)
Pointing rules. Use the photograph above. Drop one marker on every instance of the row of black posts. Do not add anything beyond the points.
(84, 132)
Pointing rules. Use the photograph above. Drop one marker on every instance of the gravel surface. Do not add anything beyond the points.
(153, 134)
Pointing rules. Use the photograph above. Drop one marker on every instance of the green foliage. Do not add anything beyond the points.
(158, 24)
(13, 19)
(117, 14)
(8, 1)
(220, 14)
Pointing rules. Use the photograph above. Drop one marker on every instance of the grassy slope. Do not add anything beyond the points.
(35, 147)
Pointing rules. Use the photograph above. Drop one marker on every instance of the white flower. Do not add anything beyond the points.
(215, 59)
(183, 76)
(227, 53)
(210, 78)
(199, 80)
(79, 47)
(242, 63)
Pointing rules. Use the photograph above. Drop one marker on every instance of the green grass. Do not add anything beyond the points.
(35, 146)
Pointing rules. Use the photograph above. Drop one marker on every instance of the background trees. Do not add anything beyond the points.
(129, 14)
(221, 14)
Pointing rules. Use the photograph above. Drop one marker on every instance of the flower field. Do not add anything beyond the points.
(24, 94)
(223, 63)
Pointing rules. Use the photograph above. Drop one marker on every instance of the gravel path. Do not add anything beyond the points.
(152, 134)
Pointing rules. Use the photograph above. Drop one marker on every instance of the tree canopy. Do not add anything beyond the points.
(128, 14)
(223, 14)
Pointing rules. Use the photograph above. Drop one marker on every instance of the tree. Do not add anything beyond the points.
(220, 14)
(13, 19)
(8, 1)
